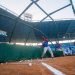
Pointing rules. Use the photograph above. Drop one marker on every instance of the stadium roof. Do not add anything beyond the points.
(19, 30)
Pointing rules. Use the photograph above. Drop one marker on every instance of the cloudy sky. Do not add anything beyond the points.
(49, 6)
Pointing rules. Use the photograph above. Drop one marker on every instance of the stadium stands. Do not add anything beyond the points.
(31, 32)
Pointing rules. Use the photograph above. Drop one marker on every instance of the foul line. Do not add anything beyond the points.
(54, 71)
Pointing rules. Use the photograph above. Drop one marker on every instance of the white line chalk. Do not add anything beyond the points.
(54, 71)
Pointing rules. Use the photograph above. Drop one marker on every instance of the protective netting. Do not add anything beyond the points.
(19, 30)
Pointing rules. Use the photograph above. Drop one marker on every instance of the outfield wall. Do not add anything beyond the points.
(16, 52)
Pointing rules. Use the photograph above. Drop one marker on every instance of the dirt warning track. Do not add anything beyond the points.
(64, 64)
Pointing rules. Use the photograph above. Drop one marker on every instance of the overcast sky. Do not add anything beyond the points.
(18, 6)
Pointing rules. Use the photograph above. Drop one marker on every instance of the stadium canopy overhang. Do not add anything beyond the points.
(20, 30)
